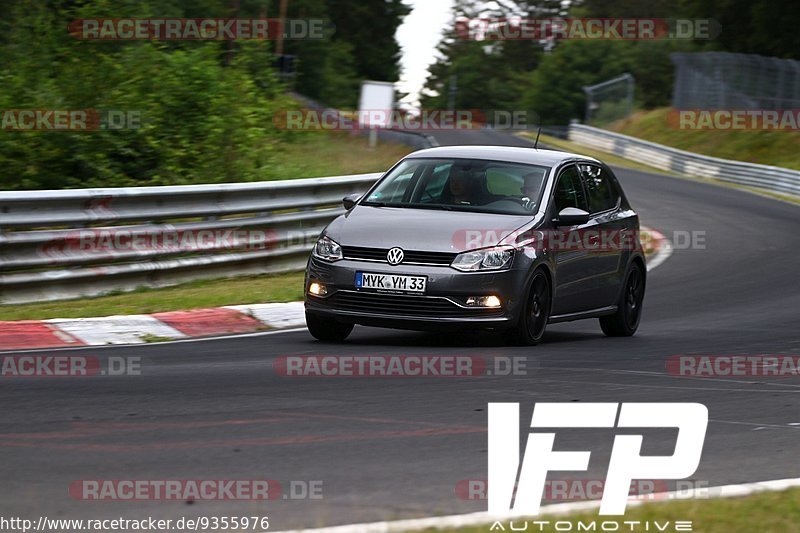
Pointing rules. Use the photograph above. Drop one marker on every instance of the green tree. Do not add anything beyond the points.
(369, 26)
(362, 45)
(490, 74)
(201, 121)
(763, 27)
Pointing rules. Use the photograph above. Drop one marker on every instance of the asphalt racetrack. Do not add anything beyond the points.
(397, 448)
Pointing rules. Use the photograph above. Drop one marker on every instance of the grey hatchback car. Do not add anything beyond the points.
(484, 237)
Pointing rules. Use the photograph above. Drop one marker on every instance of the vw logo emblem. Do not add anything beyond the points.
(395, 256)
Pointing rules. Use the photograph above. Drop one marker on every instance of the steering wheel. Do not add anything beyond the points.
(515, 199)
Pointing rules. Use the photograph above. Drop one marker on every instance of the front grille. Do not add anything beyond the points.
(410, 256)
(403, 305)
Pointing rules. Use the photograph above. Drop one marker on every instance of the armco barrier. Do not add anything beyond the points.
(769, 178)
(40, 260)
(43, 257)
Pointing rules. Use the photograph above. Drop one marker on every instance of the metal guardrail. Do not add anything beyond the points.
(61, 244)
(559, 132)
(86, 242)
(766, 177)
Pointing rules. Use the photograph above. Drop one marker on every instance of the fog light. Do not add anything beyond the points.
(484, 301)
(317, 289)
(491, 301)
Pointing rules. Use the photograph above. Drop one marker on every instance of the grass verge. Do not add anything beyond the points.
(333, 154)
(193, 295)
(617, 161)
(610, 159)
(766, 512)
(777, 148)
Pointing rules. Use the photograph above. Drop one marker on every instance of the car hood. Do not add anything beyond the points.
(421, 229)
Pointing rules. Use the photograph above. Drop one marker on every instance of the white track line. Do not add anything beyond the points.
(180, 341)
(275, 315)
(483, 518)
(121, 329)
(663, 253)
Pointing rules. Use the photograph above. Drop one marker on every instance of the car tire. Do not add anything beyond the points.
(326, 329)
(536, 310)
(625, 321)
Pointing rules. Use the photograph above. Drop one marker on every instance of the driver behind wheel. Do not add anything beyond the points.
(464, 188)
(530, 189)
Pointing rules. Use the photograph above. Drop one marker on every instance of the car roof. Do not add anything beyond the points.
(531, 156)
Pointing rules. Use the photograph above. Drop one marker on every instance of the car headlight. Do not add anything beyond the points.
(327, 249)
(488, 259)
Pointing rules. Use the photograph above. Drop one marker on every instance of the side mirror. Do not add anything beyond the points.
(572, 216)
(349, 201)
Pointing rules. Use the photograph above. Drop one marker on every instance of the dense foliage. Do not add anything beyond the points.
(206, 107)
(547, 78)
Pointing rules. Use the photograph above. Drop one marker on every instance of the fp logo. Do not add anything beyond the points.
(626, 463)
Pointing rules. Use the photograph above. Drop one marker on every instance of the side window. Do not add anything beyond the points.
(569, 191)
(600, 190)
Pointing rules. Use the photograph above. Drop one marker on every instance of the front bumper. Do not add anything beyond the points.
(444, 302)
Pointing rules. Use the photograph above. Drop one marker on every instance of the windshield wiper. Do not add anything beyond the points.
(432, 206)
(410, 206)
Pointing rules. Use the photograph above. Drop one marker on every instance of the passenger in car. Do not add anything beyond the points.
(462, 189)
(531, 185)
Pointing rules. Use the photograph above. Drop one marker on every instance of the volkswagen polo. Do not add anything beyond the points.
(500, 238)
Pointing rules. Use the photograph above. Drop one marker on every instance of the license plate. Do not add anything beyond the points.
(390, 282)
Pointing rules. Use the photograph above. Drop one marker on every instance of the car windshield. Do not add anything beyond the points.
(461, 184)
